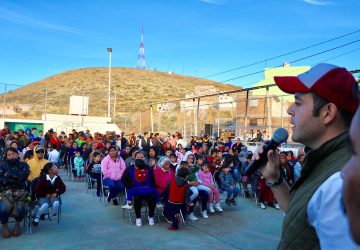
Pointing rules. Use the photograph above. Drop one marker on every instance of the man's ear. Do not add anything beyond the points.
(328, 113)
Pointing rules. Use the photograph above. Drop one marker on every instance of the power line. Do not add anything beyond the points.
(285, 54)
(225, 92)
(297, 60)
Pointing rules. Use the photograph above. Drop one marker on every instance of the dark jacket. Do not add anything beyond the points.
(94, 167)
(222, 178)
(319, 165)
(13, 174)
(43, 187)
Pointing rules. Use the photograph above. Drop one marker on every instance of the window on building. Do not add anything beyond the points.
(253, 122)
(253, 103)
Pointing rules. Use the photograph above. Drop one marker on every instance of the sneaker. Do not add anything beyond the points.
(127, 206)
(159, 205)
(115, 202)
(277, 206)
(172, 228)
(166, 218)
(228, 202)
(151, 221)
(138, 222)
(218, 208)
(262, 205)
(193, 217)
(211, 208)
(108, 199)
(204, 214)
(233, 201)
(35, 223)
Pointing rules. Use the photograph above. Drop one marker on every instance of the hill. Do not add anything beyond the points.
(135, 88)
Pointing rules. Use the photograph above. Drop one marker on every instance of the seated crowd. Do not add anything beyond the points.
(162, 170)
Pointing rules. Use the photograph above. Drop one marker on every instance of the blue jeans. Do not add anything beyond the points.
(7, 209)
(236, 174)
(231, 193)
(115, 187)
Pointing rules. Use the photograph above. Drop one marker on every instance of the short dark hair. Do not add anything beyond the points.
(183, 172)
(199, 157)
(214, 150)
(319, 103)
(96, 154)
(133, 149)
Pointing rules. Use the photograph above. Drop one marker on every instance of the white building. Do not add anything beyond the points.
(226, 102)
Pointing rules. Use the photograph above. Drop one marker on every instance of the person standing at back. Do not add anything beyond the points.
(326, 98)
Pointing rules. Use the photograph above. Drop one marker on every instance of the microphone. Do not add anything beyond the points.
(280, 136)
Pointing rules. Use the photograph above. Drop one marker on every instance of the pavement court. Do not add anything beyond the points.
(88, 224)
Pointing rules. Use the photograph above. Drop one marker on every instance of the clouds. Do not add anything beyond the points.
(26, 20)
(317, 2)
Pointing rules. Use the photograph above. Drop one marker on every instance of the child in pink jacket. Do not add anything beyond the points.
(206, 179)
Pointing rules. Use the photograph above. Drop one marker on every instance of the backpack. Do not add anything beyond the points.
(140, 175)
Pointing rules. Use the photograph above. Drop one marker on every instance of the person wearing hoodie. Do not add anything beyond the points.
(140, 184)
(37, 162)
(179, 195)
(163, 176)
(198, 190)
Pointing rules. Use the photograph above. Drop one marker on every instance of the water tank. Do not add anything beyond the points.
(79, 105)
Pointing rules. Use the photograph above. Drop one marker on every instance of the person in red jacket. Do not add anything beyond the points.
(55, 141)
(179, 195)
(47, 190)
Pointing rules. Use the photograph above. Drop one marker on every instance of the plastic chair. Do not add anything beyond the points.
(131, 211)
(34, 206)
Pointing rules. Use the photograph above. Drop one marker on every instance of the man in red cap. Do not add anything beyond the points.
(326, 98)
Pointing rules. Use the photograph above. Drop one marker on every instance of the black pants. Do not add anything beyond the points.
(97, 176)
(151, 202)
(204, 196)
(164, 196)
(171, 210)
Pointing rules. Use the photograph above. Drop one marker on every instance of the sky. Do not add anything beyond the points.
(40, 38)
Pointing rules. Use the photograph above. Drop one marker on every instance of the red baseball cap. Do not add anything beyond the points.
(334, 84)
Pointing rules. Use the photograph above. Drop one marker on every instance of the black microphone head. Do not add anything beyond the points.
(280, 135)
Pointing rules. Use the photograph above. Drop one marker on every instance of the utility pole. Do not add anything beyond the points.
(4, 102)
(46, 96)
(109, 90)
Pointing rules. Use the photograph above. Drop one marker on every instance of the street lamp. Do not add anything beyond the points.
(109, 50)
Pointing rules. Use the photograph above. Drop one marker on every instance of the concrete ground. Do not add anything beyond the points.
(88, 224)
